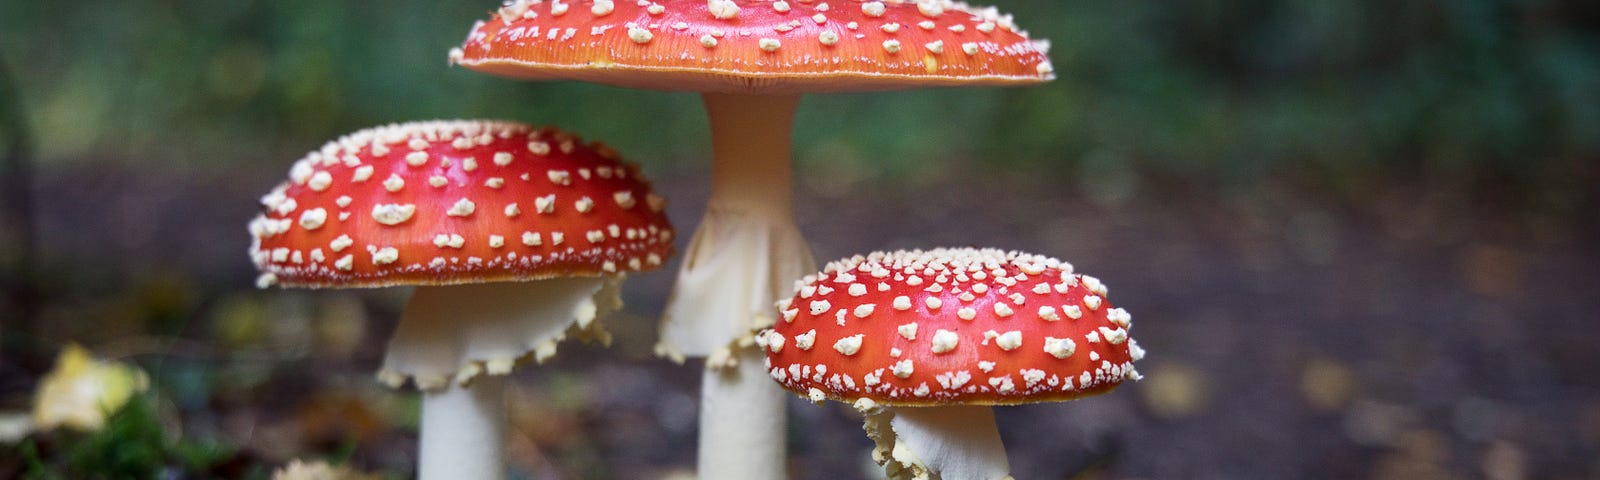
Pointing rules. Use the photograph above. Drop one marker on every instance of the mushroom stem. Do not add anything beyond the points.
(463, 429)
(458, 342)
(742, 422)
(929, 443)
(746, 254)
(750, 145)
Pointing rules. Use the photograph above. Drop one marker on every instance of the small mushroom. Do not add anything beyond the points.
(751, 60)
(514, 236)
(924, 342)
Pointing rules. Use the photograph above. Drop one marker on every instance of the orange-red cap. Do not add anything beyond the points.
(451, 202)
(950, 326)
(756, 47)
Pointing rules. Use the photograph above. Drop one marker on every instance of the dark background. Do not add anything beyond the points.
(1360, 239)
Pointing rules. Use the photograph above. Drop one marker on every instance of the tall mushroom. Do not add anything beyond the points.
(751, 60)
(924, 342)
(451, 206)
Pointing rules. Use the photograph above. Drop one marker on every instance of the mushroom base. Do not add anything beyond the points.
(453, 334)
(931, 443)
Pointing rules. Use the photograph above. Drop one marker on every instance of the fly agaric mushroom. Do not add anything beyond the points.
(450, 206)
(751, 60)
(924, 342)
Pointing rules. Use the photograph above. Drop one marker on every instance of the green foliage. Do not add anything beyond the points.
(133, 444)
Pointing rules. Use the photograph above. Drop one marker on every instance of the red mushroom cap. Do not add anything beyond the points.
(765, 47)
(452, 202)
(918, 328)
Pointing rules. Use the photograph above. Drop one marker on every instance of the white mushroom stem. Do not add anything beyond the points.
(463, 431)
(746, 254)
(742, 421)
(457, 343)
(931, 443)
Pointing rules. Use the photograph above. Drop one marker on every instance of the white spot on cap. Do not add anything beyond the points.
(320, 181)
(933, 303)
(416, 159)
(1092, 302)
(966, 313)
(343, 201)
(1134, 352)
(1119, 317)
(827, 37)
(602, 8)
(449, 240)
(557, 237)
(512, 210)
(865, 310)
(723, 9)
(345, 263)
(560, 177)
(708, 41)
(849, 345)
(945, 340)
(769, 44)
(902, 303)
(1002, 384)
(1072, 311)
(385, 255)
(361, 174)
(953, 380)
(774, 341)
(584, 205)
(818, 307)
(891, 46)
(903, 368)
(341, 243)
(890, 27)
(931, 8)
(394, 183)
(497, 241)
(392, 213)
(462, 208)
(1114, 336)
(780, 6)
(857, 290)
(624, 199)
(909, 331)
(1059, 347)
(545, 204)
(313, 219)
(494, 182)
(936, 46)
(804, 341)
(438, 181)
(595, 236)
(639, 35)
(1002, 310)
(531, 239)
(873, 9)
(1006, 341)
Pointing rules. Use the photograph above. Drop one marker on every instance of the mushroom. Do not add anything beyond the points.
(924, 342)
(450, 206)
(751, 60)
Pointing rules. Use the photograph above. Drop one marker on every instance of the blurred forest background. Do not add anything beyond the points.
(1360, 238)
